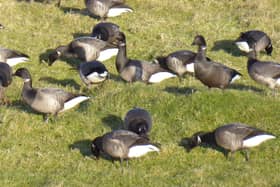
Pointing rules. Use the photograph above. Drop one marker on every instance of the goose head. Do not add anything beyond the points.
(96, 146)
(23, 73)
(199, 41)
(195, 140)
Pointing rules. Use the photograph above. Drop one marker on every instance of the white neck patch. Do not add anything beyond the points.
(27, 80)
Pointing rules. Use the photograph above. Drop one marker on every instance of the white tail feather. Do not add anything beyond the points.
(140, 150)
(113, 12)
(257, 140)
(243, 46)
(107, 54)
(190, 67)
(16, 60)
(73, 102)
(158, 77)
(236, 77)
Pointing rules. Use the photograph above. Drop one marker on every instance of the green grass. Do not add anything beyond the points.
(33, 153)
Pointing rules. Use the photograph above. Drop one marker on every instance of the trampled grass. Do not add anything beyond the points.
(33, 153)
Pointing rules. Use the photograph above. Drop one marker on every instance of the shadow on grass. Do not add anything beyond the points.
(79, 34)
(64, 82)
(227, 46)
(113, 121)
(182, 91)
(243, 87)
(185, 143)
(84, 146)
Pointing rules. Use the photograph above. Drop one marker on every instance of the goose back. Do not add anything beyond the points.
(263, 72)
(106, 31)
(138, 120)
(258, 38)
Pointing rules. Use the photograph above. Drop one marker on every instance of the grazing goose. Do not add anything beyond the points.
(136, 70)
(106, 31)
(122, 144)
(259, 38)
(179, 62)
(263, 72)
(93, 72)
(12, 57)
(231, 137)
(107, 8)
(138, 120)
(85, 49)
(211, 74)
(47, 100)
(5, 80)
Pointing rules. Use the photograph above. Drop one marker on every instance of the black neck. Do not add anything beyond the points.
(208, 138)
(201, 53)
(252, 57)
(122, 59)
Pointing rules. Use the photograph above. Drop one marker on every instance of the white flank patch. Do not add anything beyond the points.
(113, 12)
(257, 140)
(278, 81)
(243, 46)
(158, 77)
(92, 76)
(140, 150)
(190, 67)
(107, 54)
(236, 77)
(73, 102)
(16, 60)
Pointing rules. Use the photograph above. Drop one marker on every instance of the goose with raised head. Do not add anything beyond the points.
(260, 39)
(5, 80)
(47, 100)
(263, 72)
(106, 31)
(93, 72)
(132, 70)
(231, 137)
(212, 74)
(85, 49)
(107, 8)
(138, 120)
(122, 144)
(12, 57)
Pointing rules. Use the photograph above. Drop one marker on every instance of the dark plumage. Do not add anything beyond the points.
(106, 31)
(136, 70)
(5, 80)
(47, 100)
(107, 8)
(258, 38)
(138, 120)
(211, 74)
(93, 72)
(85, 49)
(263, 72)
(231, 137)
(122, 144)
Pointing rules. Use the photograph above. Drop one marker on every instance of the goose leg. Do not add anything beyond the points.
(46, 118)
(246, 152)
(229, 155)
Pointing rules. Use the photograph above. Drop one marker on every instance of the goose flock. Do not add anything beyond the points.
(106, 41)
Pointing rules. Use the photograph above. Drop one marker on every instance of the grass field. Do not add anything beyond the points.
(33, 153)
